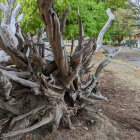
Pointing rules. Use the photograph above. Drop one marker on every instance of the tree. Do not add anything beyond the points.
(134, 6)
(115, 4)
(90, 18)
(122, 25)
(39, 90)
(88, 10)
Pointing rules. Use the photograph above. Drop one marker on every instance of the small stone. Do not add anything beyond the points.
(92, 121)
(86, 128)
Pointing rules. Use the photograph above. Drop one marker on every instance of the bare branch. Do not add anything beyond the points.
(8, 24)
(87, 83)
(101, 66)
(16, 10)
(16, 56)
(81, 33)
(34, 111)
(2, 6)
(72, 47)
(20, 17)
(52, 25)
(19, 80)
(63, 20)
(104, 29)
(7, 68)
(13, 17)
(8, 11)
(27, 130)
(98, 96)
(7, 86)
(106, 61)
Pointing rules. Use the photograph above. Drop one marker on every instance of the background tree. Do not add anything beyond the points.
(90, 18)
(122, 26)
(134, 6)
(114, 4)
(88, 10)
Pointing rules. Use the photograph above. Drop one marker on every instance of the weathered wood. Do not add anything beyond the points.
(8, 24)
(27, 130)
(19, 80)
(63, 20)
(104, 29)
(52, 25)
(72, 47)
(8, 107)
(36, 79)
(81, 33)
(19, 61)
(6, 85)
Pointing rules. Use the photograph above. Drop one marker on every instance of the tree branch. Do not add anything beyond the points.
(106, 61)
(2, 6)
(8, 24)
(27, 130)
(101, 66)
(81, 33)
(16, 56)
(52, 25)
(13, 17)
(7, 86)
(98, 96)
(63, 20)
(19, 80)
(104, 29)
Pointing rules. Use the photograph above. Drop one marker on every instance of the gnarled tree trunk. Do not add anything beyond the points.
(37, 84)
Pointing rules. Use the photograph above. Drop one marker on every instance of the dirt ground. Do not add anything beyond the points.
(119, 118)
(121, 84)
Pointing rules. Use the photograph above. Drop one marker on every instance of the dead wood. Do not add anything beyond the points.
(56, 83)
(63, 20)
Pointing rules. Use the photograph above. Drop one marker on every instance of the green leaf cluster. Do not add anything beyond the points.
(32, 20)
(93, 16)
(122, 25)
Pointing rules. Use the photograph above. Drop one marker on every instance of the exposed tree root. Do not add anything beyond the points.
(27, 130)
(39, 89)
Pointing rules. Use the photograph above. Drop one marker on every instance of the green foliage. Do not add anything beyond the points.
(114, 4)
(93, 14)
(122, 26)
(32, 19)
